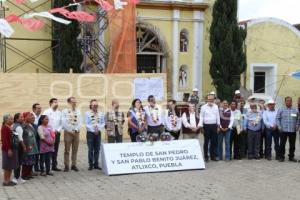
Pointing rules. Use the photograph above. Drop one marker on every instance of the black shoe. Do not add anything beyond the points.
(293, 160)
(50, 174)
(269, 158)
(9, 184)
(281, 160)
(250, 158)
(206, 159)
(99, 168)
(215, 159)
(56, 169)
(74, 168)
(90, 168)
(66, 169)
(257, 158)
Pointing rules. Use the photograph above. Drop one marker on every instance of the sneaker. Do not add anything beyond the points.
(21, 181)
(14, 180)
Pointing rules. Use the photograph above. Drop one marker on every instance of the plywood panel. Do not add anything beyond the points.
(20, 91)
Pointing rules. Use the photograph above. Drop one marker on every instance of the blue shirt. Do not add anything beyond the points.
(269, 118)
(253, 121)
(94, 121)
(287, 119)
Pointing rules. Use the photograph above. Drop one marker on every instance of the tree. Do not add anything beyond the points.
(227, 39)
(68, 53)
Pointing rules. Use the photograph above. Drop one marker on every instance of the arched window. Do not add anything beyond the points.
(184, 40)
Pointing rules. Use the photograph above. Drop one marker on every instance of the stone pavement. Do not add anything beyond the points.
(240, 180)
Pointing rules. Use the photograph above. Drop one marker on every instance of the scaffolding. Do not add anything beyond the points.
(92, 47)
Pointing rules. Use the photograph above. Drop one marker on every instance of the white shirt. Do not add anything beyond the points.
(168, 122)
(19, 133)
(36, 118)
(154, 113)
(55, 119)
(192, 123)
(237, 117)
(209, 115)
(71, 123)
(269, 118)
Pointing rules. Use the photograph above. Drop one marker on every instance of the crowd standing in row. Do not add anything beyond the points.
(30, 140)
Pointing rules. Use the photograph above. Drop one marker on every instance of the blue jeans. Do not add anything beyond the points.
(221, 136)
(269, 134)
(93, 142)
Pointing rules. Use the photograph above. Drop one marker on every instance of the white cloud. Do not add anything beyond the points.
(287, 10)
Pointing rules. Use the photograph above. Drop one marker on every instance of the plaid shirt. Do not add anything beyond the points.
(287, 119)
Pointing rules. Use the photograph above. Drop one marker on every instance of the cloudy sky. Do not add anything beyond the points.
(288, 10)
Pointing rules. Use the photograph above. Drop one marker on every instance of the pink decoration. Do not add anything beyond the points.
(62, 11)
(29, 24)
(12, 18)
(20, 1)
(81, 16)
(134, 1)
(104, 4)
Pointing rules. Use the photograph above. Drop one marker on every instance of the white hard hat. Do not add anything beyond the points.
(271, 101)
(237, 92)
(195, 90)
(212, 93)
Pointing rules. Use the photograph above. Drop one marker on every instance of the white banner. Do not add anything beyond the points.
(128, 158)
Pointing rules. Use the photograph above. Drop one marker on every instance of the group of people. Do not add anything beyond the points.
(30, 140)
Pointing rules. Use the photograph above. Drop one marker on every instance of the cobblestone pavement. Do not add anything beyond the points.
(241, 180)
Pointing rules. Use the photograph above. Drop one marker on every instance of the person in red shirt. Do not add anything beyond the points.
(9, 152)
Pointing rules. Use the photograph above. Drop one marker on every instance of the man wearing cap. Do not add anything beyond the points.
(237, 96)
(269, 118)
(210, 123)
(194, 99)
(287, 120)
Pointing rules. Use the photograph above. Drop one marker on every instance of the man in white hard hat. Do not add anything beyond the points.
(269, 118)
(194, 99)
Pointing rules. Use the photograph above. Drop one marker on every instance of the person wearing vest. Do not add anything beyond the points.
(29, 138)
(71, 123)
(172, 121)
(94, 121)
(154, 117)
(190, 122)
(18, 130)
(226, 123)
(210, 124)
(114, 121)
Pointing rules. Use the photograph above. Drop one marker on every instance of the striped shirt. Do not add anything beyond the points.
(287, 119)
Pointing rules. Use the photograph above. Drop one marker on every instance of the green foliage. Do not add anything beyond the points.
(68, 54)
(228, 60)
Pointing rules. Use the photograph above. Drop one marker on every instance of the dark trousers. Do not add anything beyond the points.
(263, 143)
(17, 172)
(238, 144)
(93, 142)
(54, 154)
(45, 160)
(253, 143)
(155, 129)
(133, 136)
(269, 135)
(37, 156)
(210, 137)
(292, 142)
(174, 134)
